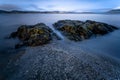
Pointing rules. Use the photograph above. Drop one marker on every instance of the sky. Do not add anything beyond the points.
(60, 5)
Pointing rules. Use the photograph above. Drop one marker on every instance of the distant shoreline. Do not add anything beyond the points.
(57, 12)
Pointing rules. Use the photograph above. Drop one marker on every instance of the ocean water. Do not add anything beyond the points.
(108, 44)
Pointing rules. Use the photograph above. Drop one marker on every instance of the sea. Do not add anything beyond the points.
(108, 44)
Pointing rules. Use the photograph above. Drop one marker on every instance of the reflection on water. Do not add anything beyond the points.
(106, 44)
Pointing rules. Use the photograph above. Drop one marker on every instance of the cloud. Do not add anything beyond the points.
(51, 6)
(9, 7)
(28, 7)
(61, 5)
(35, 7)
(118, 7)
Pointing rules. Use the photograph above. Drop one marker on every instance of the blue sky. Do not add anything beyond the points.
(60, 5)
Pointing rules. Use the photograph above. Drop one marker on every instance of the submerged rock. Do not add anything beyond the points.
(78, 30)
(34, 35)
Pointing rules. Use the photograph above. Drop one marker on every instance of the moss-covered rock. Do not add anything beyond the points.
(78, 30)
(34, 35)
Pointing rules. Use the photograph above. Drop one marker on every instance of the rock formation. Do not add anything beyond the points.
(34, 35)
(78, 30)
(39, 34)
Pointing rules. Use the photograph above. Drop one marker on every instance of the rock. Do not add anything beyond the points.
(99, 28)
(34, 35)
(62, 23)
(19, 45)
(78, 30)
(39, 34)
(72, 29)
(13, 35)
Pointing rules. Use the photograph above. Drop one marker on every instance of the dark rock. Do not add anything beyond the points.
(13, 35)
(19, 45)
(34, 35)
(62, 23)
(78, 30)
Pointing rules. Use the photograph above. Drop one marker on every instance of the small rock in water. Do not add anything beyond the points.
(13, 34)
(78, 30)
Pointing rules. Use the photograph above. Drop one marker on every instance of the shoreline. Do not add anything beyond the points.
(36, 63)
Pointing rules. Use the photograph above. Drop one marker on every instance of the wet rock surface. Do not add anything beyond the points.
(78, 30)
(69, 62)
(33, 35)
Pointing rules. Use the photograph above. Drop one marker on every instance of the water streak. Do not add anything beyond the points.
(57, 32)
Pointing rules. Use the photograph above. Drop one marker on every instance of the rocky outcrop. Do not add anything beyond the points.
(34, 35)
(78, 30)
(39, 34)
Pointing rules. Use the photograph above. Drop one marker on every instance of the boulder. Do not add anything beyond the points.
(79, 30)
(33, 35)
(98, 27)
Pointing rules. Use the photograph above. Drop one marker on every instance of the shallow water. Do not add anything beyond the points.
(108, 44)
